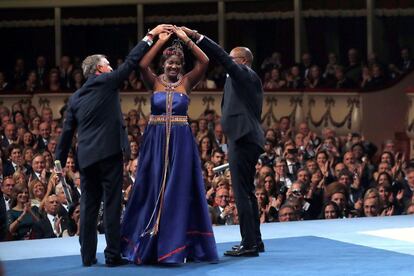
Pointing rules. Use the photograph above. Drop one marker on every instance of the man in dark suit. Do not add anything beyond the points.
(222, 210)
(15, 162)
(50, 224)
(44, 137)
(241, 109)
(95, 112)
(41, 71)
(407, 63)
(3, 218)
(38, 167)
(9, 136)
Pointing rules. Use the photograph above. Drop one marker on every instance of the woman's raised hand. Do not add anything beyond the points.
(162, 28)
(180, 34)
(164, 36)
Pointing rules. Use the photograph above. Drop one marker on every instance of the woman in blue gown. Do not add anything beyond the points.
(166, 218)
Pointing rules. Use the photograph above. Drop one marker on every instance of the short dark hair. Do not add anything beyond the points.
(12, 147)
(217, 150)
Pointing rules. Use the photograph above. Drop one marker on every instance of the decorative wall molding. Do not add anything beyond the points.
(342, 110)
(296, 116)
(43, 101)
(140, 101)
(208, 102)
(327, 118)
(269, 117)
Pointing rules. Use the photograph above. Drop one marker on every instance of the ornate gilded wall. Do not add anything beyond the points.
(320, 109)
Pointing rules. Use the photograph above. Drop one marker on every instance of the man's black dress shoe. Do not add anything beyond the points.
(116, 262)
(260, 247)
(243, 252)
(89, 263)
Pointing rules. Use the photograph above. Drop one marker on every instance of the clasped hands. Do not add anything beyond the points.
(164, 32)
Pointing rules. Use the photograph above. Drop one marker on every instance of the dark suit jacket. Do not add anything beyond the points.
(241, 106)
(408, 194)
(43, 228)
(74, 191)
(8, 168)
(34, 176)
(41, 144)
(62, 212)
(406, 67)
(4, 143)
(3, 218)
(95, 112)
(217, 212)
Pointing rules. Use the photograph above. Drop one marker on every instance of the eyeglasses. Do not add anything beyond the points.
(223, 196)
(286, 214)
(297, 192)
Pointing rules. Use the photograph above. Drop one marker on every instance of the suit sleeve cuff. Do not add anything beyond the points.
(148, 40)
(199, 40)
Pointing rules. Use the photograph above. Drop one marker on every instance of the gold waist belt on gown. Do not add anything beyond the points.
(161, 119)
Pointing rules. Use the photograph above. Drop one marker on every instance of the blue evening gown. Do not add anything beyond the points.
(184, 230)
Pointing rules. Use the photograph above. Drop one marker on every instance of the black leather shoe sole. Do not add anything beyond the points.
(118, 262)
(90, 263)
(242, 252)
(260, 247)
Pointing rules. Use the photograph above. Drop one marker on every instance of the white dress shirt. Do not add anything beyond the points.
(52, 220)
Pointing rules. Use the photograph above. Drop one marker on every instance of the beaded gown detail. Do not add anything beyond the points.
(166, 219)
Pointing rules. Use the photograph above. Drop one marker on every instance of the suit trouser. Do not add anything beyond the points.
(243, 156)
(101, 181)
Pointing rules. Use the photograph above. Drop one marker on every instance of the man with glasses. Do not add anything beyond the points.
(223, 210)
(50, 225)
(282, 178)
(307, 208)
(287, 213)
(241, 109)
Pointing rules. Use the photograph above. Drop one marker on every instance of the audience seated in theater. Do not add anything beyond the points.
(275, 80)
(314, 78)
(353, 69)
(287, 213)
(50, 224)
(4, 84)
(306, 65)
(406, 63)
(41, 71)
(21, 216)
(330, 68)
(294, 79)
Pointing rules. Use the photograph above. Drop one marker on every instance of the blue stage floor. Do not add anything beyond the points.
(364, 246)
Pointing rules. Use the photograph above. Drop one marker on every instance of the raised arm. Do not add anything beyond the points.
(144, 65)
(211, 48)
(192, 78)
(136, 54)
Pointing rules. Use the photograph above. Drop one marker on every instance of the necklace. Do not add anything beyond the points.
(171, 85)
